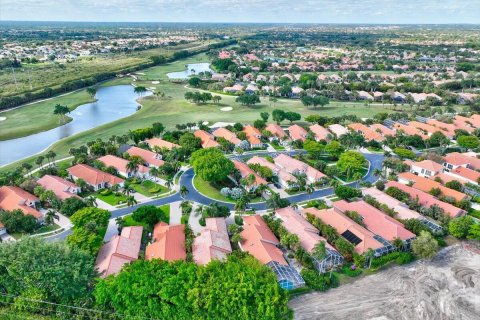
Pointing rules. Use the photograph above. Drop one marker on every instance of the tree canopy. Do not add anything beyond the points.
(211, 164)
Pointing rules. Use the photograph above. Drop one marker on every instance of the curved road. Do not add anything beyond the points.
(186, 179)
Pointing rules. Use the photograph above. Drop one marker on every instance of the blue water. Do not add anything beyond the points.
(112, 103)
(197, 67)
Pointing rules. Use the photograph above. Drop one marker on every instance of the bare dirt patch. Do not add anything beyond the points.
(448, 287)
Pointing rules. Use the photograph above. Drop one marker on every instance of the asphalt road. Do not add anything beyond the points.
(186, 179)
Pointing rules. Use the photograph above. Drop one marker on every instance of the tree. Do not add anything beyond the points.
(319, 251)
(51, 216)
(314, 149)
(334, 148)
(91, 92)
(346, 192)
(140, 90)
(216, 99)
(89, 214)
(150, 215)
(468, 142)
(183, 191)
(211, 164)
(61, 112)
(454, 184)
(309, 188)
(404, 153)
(58, 273)
(292, 116)
(474, 232)
(131, 201)
(71, 205)
(350, 162)
(194, 82)
(16, 221)
(278, 115)
(425, 246)
(91, 201)
(459, 227)
(248, 100)
(264, 116)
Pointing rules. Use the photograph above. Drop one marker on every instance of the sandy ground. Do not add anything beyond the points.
(448, 287)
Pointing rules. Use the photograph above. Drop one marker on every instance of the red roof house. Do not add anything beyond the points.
(150, 159)
(62, 188)
(15, 198)
(168, 243)
(212, 243)
(94, 177)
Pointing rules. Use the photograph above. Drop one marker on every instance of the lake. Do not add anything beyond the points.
(197, 67)
(112, 103)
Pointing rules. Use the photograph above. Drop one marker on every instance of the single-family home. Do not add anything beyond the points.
(337, 129)
(150, 158)
(3, 230)
(426, 199)
(227, 135)
(363, 95)
(409, 130)
(294, 166)
(427, 185)
(260, 242)
(246, 172)
(368, 133)
(425, 168)
(160, 143)
(121, 165)
(376, 221)
(97, 179)
(354, 233)
(212, 243)
(276, 131)
(398, 97)
(168, 243)
(454, 160)
(309, 237)
(284, 178)
(253, 136)
(383, 130)
(62, 188)
(320, 132)
(465, 174)
(297, 133)
(120, 250)
(15, 198)
(208, 141)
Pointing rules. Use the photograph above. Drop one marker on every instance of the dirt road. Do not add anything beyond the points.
(448, 287)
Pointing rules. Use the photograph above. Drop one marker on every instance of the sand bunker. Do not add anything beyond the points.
(155, 82)
(3, 118)
(226, 109)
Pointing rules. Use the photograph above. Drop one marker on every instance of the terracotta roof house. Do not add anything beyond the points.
(426, 128)
(337, 129)
(260, 242)
(157, 142)
(467, 174)
(308, 236)
(283, 176)
(464, 123)
(294, 166)
(368, 133)
(168, 243)
(253, 136)
(121, 165)
(381, 129)
(376, 221)
(426, 199)
(122, 249)
(212, 243)
(276, 130)
(454, 160)
(94, 177)
(447, 177)
(297, 133)
(360, 237)
(448, 129)
(227, 135)
(425, 168)
(363, 95)
(410, 130)
(245, 171)
(150, 158)
(208, 140)
(14, 198)
(320, 132)
(427, 185)
(62, 188)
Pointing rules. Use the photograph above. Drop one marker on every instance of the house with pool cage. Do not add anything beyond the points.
(260, 242)
(309, 237)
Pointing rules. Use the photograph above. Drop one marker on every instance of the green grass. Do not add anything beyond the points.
(111, 199)
(146, 187)
(344, 178)
(46, 228)
(210, 191)
(474, 213)
(277, 147)
(130, 222)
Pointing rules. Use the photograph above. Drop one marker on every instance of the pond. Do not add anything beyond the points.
(112, 103)
(192, 69)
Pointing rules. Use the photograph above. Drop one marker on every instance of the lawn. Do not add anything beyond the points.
(47, 228)
(344, 178)
(130, 222)
(149, 188)
(174, 109)
(111, 198)
(210, 191)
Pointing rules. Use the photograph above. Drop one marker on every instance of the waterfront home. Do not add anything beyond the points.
(62, 188)
(208, 140)
(168, 243)
(150, 158)
(95, 178)
(212, 243)
(15, 198)
(121, 165)
(260, 242)
(120, 250)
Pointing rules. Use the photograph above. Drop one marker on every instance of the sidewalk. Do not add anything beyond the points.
(175, 212)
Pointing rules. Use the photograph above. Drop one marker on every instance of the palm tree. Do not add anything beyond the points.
(199, 210)
(377, 172)
(91, 201)
(154, 171)
(241, 204)
(50, 217)
(184, 191)
(334, 183)
(120, 223)
(319, 251)
(92, 92)
(132, 166)
(51, 156)
(309, 188)
(39, 161)
(369, 255)
(131, 201)
(398, 243)
(169, 182)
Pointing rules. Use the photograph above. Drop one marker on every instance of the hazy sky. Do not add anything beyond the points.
(316, 11)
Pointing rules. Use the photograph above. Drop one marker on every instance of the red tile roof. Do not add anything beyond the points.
(292, 165)
(426, 185)
(62, 188)
(149, 157)
(227, 135)
(297, 133)
(320, 132)
(276, 130)
(253, 134)
(168, 243)
(14, 198)
(157, 142)
(245, 171)
(120, 164)
(122, 249)
(368, 133)
(427, 165)
(207, 139)
(92, 175)
(212, 243)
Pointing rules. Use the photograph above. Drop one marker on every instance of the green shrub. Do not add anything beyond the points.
(184, 220)
(351, 272)
(404, 258)
(238, 220)
(317, 281)
(154, 189)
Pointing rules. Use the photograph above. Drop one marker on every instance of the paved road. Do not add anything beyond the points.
(193, 195)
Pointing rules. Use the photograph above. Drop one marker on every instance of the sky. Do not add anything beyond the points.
(289, 11)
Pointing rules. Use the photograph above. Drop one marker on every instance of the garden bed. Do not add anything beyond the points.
(149, 188)
(111, 198)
